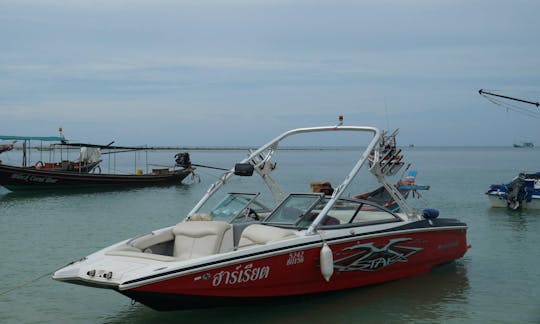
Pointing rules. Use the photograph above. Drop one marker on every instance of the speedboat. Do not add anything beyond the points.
(525, 145)
(250, 249)
(522, 192)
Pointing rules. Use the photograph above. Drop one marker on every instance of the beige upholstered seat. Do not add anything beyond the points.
(262, 234)
(141, 243)
(200, 217)
(201, 238)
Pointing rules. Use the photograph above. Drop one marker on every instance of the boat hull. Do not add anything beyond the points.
(25, 179)
(295, 271)
(497, 201)
(523, 192)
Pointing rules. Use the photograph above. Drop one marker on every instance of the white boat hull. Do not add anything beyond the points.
(273, 271)
(500, 202)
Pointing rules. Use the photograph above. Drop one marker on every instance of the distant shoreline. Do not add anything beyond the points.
(208, 148)
(291, 148)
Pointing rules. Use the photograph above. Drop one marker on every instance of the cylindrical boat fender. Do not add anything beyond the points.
(327, 262)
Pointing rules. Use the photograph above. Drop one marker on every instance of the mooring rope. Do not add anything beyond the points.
(25, 284)
(210, 167)
(508, 106)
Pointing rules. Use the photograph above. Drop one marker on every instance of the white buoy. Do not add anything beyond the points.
(327, 262)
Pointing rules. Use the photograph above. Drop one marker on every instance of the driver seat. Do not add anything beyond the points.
(258, 234)
(201, 238)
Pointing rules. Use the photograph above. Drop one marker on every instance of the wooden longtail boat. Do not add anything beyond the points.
(19, 179)
(84, 173)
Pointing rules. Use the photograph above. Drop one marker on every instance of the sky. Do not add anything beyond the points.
(240, 72)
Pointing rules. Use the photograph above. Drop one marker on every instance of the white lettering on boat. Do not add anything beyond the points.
(295, 258)
(32, 178)
(240, 275)
(372, 258)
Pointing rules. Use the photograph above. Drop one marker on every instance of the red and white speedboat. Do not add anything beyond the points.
(242, 251)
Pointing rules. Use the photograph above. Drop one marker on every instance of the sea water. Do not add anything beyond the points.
(498, 280)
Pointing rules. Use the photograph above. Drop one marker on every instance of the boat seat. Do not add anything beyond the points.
(200, 217)
(258, 234)
(238, 228)
(146, 241)
(201, 238)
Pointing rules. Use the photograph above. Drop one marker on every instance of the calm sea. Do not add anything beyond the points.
(498, 280)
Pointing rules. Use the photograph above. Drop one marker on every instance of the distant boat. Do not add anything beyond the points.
(525, 145)
(86, 172)
(30, 179)
(522, 192)
(87, 162)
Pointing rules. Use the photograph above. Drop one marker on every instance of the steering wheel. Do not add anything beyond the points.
(252, 214)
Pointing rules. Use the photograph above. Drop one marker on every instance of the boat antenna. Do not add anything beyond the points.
(489, 96)
(63, 141)
(340, 121)
(387, 118)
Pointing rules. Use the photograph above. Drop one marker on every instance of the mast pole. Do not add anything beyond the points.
(483, 92)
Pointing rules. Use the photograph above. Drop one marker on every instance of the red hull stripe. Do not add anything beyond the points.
(293, 274)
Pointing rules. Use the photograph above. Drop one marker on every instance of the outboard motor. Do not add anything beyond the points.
(183, 160)
(515, 193)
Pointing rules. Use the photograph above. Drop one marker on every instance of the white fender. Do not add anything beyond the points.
(327, 262)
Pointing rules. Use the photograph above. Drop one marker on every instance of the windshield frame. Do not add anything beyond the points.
(237, 212)
(280, 209)
(255, 159)
(301, 223)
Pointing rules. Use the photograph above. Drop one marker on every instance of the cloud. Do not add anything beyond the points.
(120, 66)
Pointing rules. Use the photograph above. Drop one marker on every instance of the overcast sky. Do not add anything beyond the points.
(239, 72)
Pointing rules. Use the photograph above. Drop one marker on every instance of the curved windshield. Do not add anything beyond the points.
(293, 208)
(300, 210)
(350, 212)
(237, 207)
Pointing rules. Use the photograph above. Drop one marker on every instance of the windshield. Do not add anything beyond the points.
(293, 208)
(300, 210)
(237, 207)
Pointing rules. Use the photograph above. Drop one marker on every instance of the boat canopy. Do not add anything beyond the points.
(106, 146)
(33, 138)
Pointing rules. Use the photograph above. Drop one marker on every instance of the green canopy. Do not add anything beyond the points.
(33, 138)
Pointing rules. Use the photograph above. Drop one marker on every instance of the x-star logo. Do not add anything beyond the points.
(372, 258)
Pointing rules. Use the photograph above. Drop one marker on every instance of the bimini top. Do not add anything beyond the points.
(33, 138)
